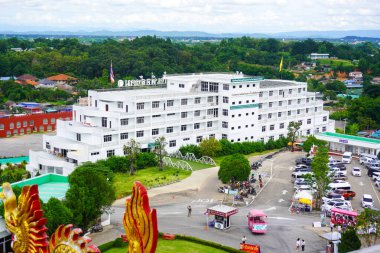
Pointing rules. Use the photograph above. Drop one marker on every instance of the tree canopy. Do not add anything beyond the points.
(234, 168)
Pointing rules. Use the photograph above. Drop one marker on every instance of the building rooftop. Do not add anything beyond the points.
(277, 83)
(214, 77)
(350, 137)
(26, 77)
(62, 77)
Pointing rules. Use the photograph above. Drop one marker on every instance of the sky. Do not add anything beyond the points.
(216, 16)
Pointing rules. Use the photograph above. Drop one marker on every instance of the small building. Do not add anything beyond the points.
(222, 215)
(27, 79)
(317, 56)
(63, 79)
(376, 80)
(30, 107)
(46, 83)
(357, 75)
(10, 104)
(341, 143)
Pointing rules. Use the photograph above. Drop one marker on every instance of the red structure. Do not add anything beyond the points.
(31, 123)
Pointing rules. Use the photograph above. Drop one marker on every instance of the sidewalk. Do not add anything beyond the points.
(194, 182)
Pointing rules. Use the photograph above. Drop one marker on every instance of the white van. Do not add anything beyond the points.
(366, 158)
(347, 157)
(340, 186)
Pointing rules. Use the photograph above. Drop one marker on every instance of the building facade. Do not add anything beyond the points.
(317, 56)
(31, 123)
(187, 110)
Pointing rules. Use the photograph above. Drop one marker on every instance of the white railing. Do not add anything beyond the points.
(179, 164)
(191, 157)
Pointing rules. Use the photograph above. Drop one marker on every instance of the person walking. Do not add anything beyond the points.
(189, 211)
(331, 226)
(243, 239)
(303, 245)
(298, 244)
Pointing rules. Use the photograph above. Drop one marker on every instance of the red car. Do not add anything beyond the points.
(346, 194)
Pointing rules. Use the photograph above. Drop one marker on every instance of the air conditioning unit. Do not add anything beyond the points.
(219, 225)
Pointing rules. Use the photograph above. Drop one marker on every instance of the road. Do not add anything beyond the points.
(284, 228)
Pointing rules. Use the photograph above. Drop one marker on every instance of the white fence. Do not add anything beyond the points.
(179, 164)
(191, 157)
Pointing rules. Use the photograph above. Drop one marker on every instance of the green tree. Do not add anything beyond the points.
(293, 129)
(210, 147)
(90, 192)
(366, 221)
(349, 241)
(159, 149)
(56, 214)
(234, 168)
(191, 148)
(320, 178)
(311, 139)
(353, 129)
(132, 149)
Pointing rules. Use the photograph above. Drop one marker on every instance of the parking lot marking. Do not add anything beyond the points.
(270, 208)
(202, 201)
(281, 200)
(361, 184)
(280, 218)
(290, 168)
(284, 192)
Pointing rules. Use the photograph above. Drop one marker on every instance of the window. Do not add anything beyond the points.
(172, 143)
(123, 136)
(298, 111)
(260, 105)
(289, 102)
(45, 121)
(300, 121)
(140, 106)
(246, 114)
(104, 122)
(308, 121)
(281, 136)
(196, 125)
(183, 115)
(279, 103)
(106, 107)
(269, 115)
(156, 104)
(271, 93)
(239, 127)
(290, 91)
(139, 133)
(126, 108)
(197, 100)
(210, 99)
(225, 112)
(224, 124)
(325, 118)
(279, 114)
(204, 86)
(299, 90)
(107, 138)
(210, 136)
(247, 101)
(239, 102)
(140, 120)
(260, 94)
(225, 100)
(170, 103)
(123, 122)
(169, 130)
(246, 126)
(271, 127)
(156, 116)
(95, 153)
(1, 126)
(48, 145)
(289, 113)
(155, 131)
(259, 117)
(240, 86)
(186, 139)
(233, 103)
(298, 101)
(209, 123)
(31, 123)
(214, 87)
(324, 129)
(263, 128)
(253, 113)
(79, 137)
(184, 101)
(307, 100)
(197, 113)
(199, 139)
(183, 128)
(307, 110)
(52, 121)
(110, 153)
(271, 138)
(233, 115)
(239, 115)
(282, 125)
(224, 136)
(171, 114)
(252, 125)
(270, 104)
(226, 87)
(25, 123)
(280, 92)
(316, 109)
(181, 85)
(120, 105)
(96, 103)
(234, 86)
(308, 131)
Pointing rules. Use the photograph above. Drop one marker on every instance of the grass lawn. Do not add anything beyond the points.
(219, 159)
(177, 245)
(194, 165)
(336, 62)
(150, 176)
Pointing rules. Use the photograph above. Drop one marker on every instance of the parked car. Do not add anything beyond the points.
(356, 172)
(338, 176)
(377, 183)
(371, 171)
(367, 201)
(374, 166)
(347, 157)
(375, 176)
(342, 204)
(347, 194)
(332, 195)
(304, 160)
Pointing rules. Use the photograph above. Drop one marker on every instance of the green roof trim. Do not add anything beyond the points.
(235, 107)
(350, 137)
(246, 79)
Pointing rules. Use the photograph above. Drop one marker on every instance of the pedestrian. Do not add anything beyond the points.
(243, 239)
(298, 244)
(303, 245)
(189, 211)
(331, 226)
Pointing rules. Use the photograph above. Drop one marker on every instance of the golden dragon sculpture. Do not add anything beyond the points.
(26, 222)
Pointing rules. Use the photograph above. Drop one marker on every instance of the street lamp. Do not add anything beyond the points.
(344, 129)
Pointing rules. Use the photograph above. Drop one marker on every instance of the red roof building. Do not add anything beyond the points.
(63, 79)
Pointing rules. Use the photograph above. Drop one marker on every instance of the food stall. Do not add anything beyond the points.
(303, 201)
(257, 221)
(222, 215)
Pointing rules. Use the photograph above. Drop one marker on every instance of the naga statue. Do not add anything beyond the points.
(26, 222)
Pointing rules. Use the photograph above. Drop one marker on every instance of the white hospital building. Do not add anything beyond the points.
(185, 109)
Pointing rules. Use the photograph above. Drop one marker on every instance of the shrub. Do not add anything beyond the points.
(146, 159)
(118, 243)
(191, 148)
(349, 242)
(207, 243)
(116, 163)
(210, 147)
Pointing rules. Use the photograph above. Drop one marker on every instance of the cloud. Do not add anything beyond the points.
(210, 15)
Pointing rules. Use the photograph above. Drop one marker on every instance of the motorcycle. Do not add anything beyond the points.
(222, 189)
(96, 228)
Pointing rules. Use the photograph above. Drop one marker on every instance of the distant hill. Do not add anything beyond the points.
(364, 34)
